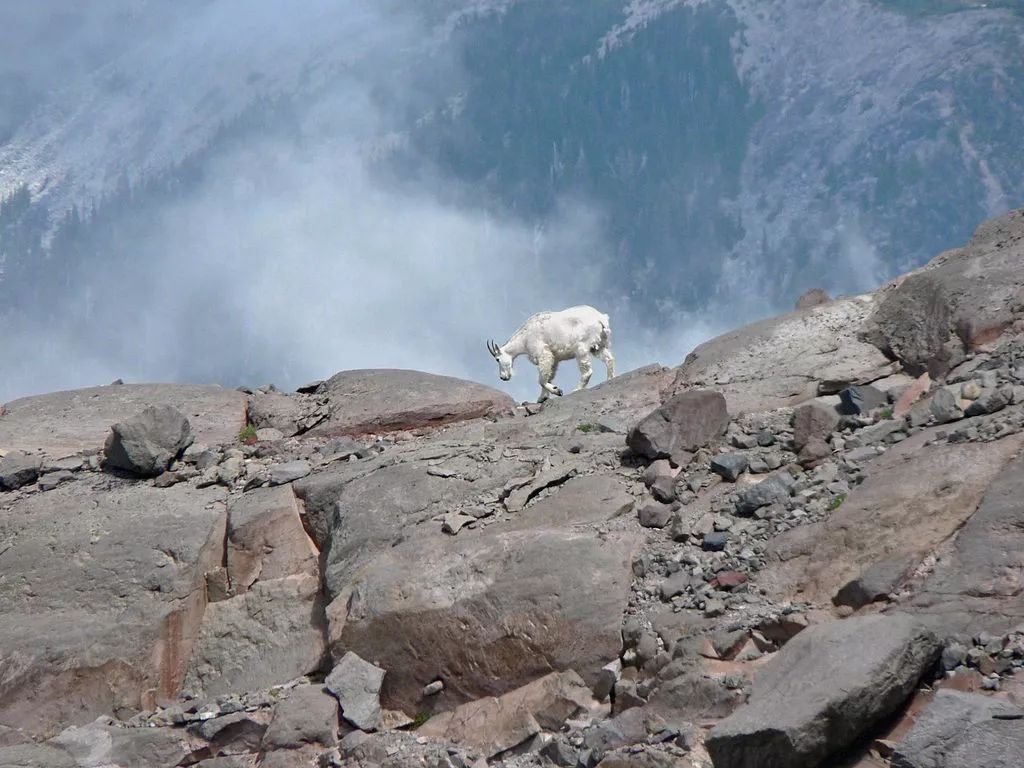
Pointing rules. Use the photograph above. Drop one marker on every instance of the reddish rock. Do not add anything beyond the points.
(729, 579)
(813, 420)
(911, 395)
(369, 401)
(814, 297)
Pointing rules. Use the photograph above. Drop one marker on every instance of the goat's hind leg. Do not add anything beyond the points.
(605, 353)
(586, 368)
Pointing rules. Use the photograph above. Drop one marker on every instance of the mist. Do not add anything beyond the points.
(298, 256)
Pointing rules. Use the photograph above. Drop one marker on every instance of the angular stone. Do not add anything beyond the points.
(664, 489)
(715, 542)
(944, 406)
(654, 515)
(991, 401)
(813, 420)
(266, 539)
(147, 443)
(729, 465)
(963, 730)
(356, 684)
(309, 715)
(18, 469)
(774, 488)
(826, 687)
(494, 725)
(269, 635)
(861, 399)
(280, 474)
(686, 422)
(875, 582)
(912, 322)
(100, 744)
(455, 522)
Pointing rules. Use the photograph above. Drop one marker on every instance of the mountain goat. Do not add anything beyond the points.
(548, 338)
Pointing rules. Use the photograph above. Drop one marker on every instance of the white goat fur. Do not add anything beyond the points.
(548, 338)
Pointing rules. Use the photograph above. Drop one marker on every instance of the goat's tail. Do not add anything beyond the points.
(605, 339)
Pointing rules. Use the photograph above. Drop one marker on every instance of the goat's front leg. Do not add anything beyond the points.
(609, 362)
(586, 368)
(547, 366)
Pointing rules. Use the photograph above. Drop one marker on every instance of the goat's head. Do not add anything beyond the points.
(504, 361)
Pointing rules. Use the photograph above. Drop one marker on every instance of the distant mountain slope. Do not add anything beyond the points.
(682, 162)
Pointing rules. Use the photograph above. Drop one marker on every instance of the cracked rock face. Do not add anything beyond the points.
(722, 561)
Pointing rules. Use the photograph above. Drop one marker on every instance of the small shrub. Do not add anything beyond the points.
(886, 414)
(419, 720)
(585, 427)
(837, 502)
(248, 434)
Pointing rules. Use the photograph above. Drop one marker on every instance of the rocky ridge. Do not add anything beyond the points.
(390, 568)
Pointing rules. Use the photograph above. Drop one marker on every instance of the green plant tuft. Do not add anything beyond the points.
(886, 414)
(419, 720)
(248, 434)
(837, 502)
(585, 427)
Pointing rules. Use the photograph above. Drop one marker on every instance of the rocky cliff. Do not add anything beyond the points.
(801, 547)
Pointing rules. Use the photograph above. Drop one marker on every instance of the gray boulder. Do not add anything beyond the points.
(861, 399)
(813, 420)
(963, 730)
(729, 465)
(356, 684)
(825, 688)
(18, 469)
(944, 407)
(686, 422)
(776, 487)
(308, 716)
(146, 444)
(991, 400)
(912, 322)
(289, 472)
(875, 582)
(654, 515)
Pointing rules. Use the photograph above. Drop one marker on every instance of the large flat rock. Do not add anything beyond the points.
(984, 281)
(101, 591)
(780, 362)
(367, 401)
(979, 584)
(963, 730)
(486, 613)
(64, 423)
(913, 499)
(826, 687)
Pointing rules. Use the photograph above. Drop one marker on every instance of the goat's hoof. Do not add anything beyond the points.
(558, 391)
